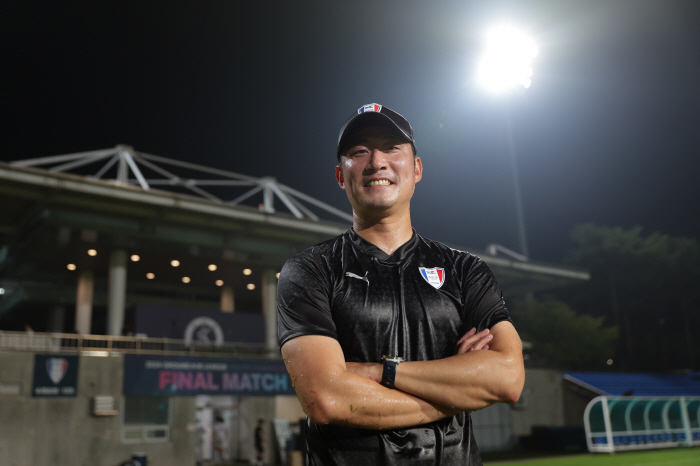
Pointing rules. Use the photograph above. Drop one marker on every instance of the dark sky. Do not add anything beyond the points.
(608, 133)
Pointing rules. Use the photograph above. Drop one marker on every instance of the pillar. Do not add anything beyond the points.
(83, 302)
(57, 319)
(269, 307)
(116, 292)
(227, 299)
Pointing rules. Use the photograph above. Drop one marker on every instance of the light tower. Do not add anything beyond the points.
(506, 64)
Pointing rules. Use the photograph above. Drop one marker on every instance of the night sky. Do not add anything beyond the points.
(608, 133)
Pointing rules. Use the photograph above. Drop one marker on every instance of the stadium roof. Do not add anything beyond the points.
(62, 215)
(122, 175)
(124, 165)
(612, 384)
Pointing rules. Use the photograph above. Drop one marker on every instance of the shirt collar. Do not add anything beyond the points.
(396, 257)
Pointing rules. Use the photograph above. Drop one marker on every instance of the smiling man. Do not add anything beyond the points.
(390, 339)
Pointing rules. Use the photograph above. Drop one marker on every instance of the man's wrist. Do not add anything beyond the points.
(389, 370)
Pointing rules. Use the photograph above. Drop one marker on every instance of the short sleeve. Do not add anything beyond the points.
(484, 301)
(303, 299)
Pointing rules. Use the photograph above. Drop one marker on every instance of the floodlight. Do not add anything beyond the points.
(507, 60)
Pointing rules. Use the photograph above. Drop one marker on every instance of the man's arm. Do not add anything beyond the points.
(472, 380)
(469, 380)
(329, 393)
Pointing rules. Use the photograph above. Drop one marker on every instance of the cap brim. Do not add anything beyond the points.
(363, 120)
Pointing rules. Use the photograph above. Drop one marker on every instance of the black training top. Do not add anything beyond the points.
(415, 303)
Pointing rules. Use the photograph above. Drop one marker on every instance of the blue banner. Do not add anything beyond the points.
(190, 376)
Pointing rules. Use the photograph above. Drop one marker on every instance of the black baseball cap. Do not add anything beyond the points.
(374, 115)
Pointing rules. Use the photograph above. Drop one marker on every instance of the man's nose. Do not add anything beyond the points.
(377, 159)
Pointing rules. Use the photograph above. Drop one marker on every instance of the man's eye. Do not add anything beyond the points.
(359, 151)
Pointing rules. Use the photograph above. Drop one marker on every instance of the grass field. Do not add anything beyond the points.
(670, 457)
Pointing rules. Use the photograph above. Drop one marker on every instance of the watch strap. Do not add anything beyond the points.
(389, 372)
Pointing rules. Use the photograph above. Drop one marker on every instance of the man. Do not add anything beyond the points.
(220, 439)
(260, 442)
(391, 338)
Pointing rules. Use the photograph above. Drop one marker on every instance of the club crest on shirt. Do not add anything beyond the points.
(434, 276)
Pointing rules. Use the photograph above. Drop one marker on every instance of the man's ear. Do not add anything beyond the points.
(339, 177)
(418, 169)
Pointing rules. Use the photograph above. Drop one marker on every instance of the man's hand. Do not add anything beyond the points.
(473, 341)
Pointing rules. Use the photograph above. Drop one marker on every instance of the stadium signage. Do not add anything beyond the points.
(190, 376)
(55, 376)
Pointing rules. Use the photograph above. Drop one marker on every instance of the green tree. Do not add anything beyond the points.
(648, 286)
(561, 338)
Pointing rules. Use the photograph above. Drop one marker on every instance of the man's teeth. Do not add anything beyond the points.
(379, 182)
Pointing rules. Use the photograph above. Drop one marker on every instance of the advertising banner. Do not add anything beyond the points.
(190, 376)
(55, 375)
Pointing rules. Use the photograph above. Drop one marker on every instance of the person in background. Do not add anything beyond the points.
(220, 439)
(260, 442)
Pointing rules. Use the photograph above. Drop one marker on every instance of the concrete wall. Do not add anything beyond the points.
(64, 432)
(493, 429)
(541, 403)
(575, 400)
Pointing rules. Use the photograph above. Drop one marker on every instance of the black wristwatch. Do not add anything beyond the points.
(389, 374)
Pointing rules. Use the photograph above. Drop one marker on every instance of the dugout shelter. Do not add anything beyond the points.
(639, 411)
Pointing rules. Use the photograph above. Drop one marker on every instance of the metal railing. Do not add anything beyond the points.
(76, 343)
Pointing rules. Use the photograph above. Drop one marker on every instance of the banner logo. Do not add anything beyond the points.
(56, 368)
(434, 276)
(204, 330)
(55, 376)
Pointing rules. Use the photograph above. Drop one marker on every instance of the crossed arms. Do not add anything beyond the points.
(487, 368)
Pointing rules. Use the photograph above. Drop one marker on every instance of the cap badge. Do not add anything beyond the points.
(435, 276)
(370, 108)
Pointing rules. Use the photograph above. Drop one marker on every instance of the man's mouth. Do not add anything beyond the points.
(379, 183)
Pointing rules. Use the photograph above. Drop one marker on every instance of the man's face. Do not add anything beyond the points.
(378, 171)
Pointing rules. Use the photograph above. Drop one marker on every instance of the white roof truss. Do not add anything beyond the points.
(129, 164)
